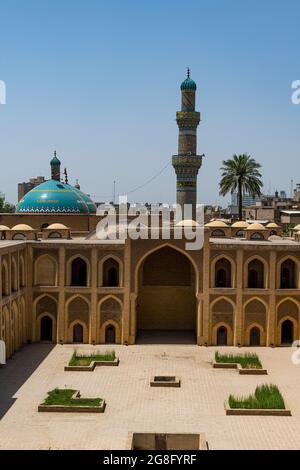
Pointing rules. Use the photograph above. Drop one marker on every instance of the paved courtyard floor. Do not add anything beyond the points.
(133, 406)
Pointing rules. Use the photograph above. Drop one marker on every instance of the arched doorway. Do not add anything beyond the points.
(46, 328)
(166, 302)
(223, 273)
(288, 275)
(110, 334)
(287, 332)
(78, 273)
(254, 336)
(222, 336)
(110, 273)
(77, 333)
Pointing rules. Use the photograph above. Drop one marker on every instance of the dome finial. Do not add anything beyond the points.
(55, 153)
(188, 72)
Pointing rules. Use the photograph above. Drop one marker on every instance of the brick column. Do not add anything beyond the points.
(238, 318)
(207, 322)
(271, 314)
(61, 313)
(126, 316)
(93, 313)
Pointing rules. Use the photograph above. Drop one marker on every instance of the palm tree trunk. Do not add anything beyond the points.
(240, 196)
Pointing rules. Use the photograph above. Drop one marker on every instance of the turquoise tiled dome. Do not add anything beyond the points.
(188, 84)
(55, 197)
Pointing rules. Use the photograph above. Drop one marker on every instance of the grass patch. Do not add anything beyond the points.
(64, 397)
(264, 397)
(86, 359)
(247, 360)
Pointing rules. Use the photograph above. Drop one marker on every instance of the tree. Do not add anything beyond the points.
(6, 207)
(241, 172)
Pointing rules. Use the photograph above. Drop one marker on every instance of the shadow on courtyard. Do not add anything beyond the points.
(165, 337)
(17, 371)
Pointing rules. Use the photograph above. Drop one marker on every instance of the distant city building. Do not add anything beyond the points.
(25, 187)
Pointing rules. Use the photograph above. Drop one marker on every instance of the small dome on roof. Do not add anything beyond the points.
(3, 227)
(240, 224)
(272, 225)
(22, 227)
(216, 223)
(256, 226)
(57, 227)
(187, 223)
(297, 228)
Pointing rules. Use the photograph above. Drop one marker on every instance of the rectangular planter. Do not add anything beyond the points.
(233, 365)
(73, 409)
(256, 412)
(92, 366)
(154, 382)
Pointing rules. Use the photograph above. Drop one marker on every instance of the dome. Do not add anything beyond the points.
(57, 227)
(3, 227)
(22, 227)
(240, 224)
(216, 223)
(187, 223)
(188, 83)
(55, 197)
(297, 228)
(272, 225)
(256, 226)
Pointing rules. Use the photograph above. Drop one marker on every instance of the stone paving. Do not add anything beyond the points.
(134, 406)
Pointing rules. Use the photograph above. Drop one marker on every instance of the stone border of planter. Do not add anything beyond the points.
(203, 443)
(164, 383)
(236, 365)
(256, 412)
(92, 366)
(73, 409)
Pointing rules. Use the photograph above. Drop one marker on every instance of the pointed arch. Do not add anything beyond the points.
(78, 311)
(44, 304)
(102, 274)
(265, 276)
(21, 272)
(292, 272)
(114, 316)
(14, 275)
(231, 275)
(5, 278)
(45, 271)
(78, 275)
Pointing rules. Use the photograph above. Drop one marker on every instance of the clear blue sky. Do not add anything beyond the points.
(99, 82)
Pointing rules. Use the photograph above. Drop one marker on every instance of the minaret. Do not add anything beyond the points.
(55, 168)
(187, 162)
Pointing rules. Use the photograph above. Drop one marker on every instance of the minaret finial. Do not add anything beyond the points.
(55, 153)
(188, 72)
(66, 175)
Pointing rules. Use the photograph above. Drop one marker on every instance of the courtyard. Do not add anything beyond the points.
(133, 406)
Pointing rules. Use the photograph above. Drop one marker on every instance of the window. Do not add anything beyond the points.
(78, 273)
(223, 273)
(110, 273)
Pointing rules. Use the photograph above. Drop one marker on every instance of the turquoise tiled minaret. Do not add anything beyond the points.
(187, 163)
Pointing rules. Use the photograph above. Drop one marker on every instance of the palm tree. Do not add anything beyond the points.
(241, 172)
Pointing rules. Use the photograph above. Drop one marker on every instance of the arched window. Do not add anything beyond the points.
(218, 233)
(44, 226)
(257, 236)
(240, 233)
(19, 236)
(255, 336)
(255, 274)
(110, 334)
(54, 235)
(288, 275)
(77, 333)
(273, 232)
(287, 332)
(111, 273)
(14, 276)
(222, 336)
(46, 328)
(78, 272)
(21, 273)
(223, 273)
(5, 283)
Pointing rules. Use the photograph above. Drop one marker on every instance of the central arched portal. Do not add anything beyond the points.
(166, 305)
